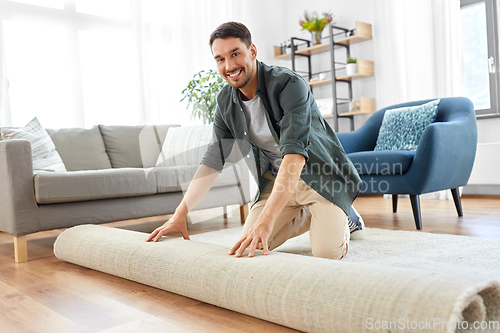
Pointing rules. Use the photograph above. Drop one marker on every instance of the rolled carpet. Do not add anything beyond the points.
(305, 293)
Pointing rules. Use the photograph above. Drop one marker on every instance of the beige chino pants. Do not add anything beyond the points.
(306, 210)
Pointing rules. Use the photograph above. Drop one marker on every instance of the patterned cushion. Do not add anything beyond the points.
(402, 128)
(185, 145)
(44, 154)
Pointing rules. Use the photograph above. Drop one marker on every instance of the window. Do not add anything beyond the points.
(480, 54)
(70, 62)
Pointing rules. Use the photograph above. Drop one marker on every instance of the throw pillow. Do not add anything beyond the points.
(185, 145)
(80, 149)
(132, 146)
(44, 154)
(122, 145)
(402, 128)
(148, 143)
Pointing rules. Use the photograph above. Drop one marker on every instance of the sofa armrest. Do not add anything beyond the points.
(445, 156)
(364, 138)
(18, 207)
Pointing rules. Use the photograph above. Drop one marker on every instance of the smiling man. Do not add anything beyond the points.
(305, 179)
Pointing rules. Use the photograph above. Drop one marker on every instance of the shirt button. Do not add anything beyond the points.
(245, 133)
(248, 156)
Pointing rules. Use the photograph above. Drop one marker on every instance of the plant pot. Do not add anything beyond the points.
(351, 69)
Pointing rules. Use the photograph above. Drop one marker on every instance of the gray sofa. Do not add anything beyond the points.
(111, 176)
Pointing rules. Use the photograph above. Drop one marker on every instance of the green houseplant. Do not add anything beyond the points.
(201, 92)
(352, 67)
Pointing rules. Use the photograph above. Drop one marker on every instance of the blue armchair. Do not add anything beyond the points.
(443, 159)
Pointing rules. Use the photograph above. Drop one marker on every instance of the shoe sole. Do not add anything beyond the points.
(359, 234)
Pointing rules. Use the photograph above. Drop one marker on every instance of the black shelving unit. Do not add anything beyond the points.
(338, 37)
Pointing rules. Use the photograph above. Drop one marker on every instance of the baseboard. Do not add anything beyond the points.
(481, 189)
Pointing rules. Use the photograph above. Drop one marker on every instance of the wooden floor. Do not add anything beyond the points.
(48, 295)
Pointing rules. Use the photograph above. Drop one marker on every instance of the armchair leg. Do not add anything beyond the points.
(457, 200)
(415, 205)
(394, 203)
(20, 249)
(243, 213)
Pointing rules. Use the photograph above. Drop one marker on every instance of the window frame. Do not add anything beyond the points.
(492, 38)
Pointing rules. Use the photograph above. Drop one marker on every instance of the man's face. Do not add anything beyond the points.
(235, 61)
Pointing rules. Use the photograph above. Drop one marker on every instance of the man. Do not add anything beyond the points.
(306, 181)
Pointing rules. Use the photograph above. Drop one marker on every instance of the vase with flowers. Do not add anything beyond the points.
(315, 24)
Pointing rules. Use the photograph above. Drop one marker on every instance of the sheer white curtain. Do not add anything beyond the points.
(417, 47)
(112, 62)
(172, 45)
(418, 53)
(5, 117)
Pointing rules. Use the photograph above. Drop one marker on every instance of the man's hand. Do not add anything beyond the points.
(177, 223)
(258, 234)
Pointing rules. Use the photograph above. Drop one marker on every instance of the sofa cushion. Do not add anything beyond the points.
(93, 185)
(148, 142)
(177, 178)
(385, 162)
(43, 151)
(80, 149)
(402, 128)
(185, 146)
(123, 144)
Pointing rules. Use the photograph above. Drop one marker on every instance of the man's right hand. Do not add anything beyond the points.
(177, 223)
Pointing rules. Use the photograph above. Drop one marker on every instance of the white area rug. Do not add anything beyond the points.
(305, 293)
(450, 254)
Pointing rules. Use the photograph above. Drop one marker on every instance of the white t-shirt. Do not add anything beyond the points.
(259, 132)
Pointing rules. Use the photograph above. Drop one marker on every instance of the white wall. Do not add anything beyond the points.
(266, 20)
(487, 132)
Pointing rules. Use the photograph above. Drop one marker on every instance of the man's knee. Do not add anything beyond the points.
(326, 252)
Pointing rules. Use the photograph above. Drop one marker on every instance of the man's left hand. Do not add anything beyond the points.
(258, 234)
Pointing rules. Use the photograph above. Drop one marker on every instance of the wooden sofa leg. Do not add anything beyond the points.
(243, 213)
(20, 249)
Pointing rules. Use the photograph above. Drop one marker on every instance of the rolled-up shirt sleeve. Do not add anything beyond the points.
(295, 100)
(220, 145)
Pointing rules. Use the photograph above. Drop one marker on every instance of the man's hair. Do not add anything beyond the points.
(232, 29)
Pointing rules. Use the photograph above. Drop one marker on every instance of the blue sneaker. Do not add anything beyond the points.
(356, 225)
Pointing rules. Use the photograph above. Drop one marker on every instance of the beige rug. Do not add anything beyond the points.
(305, 293)
(450, 254)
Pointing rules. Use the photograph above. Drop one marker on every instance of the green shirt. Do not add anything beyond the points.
(297, 126)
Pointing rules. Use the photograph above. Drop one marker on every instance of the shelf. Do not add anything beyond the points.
(319, 83)
(366, 106)
(350, 114)
(365, 69)
(363, 33)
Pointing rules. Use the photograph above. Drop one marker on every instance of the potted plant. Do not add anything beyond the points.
(201, 92)
(315, 24)
(351, 67)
